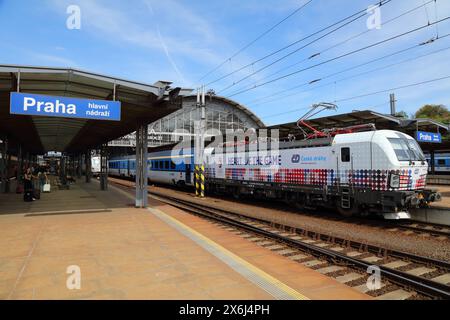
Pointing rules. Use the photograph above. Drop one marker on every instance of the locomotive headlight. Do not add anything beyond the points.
(395, 181)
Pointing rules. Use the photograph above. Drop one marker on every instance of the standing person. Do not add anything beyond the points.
(28, 185)
(42, 179)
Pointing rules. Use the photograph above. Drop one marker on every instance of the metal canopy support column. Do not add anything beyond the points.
(4, 166)
(104, 167)
(20, 166)
(88, 166)
(433, 163)
(141, 166)
(63, 170)
(79, 164)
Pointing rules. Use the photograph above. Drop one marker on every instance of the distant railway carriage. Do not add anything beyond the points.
(441, 163)
(163, 167)
(382, 172)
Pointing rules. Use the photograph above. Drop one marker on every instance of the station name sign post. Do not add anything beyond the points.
(429, 137)
(64, 107)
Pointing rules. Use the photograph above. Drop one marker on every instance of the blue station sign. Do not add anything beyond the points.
(429, 137)
(64, 107)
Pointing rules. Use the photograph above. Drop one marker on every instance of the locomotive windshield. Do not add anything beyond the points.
(407, 149)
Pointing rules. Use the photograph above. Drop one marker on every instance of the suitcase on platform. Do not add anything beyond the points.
(19, 189)
(46, 188)
(28, 196)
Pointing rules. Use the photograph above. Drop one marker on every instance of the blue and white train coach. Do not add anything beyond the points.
(163, 167)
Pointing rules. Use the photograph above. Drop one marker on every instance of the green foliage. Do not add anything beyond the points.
(433, 111)
(402, 114)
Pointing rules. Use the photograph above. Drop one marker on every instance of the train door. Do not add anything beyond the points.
(345, 165)
(345, 173)
(188, 173)
(188, 170)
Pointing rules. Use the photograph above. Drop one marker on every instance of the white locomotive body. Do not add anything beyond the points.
(380, 171)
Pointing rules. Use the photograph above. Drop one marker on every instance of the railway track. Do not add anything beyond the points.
(422, 228)
(409, 228)
(404, 276)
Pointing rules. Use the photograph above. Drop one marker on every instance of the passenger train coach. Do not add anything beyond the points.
(163, 167)
(441, 163)
(374, 172)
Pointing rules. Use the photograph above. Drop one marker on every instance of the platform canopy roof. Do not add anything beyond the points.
(140, 104)
(381, 121)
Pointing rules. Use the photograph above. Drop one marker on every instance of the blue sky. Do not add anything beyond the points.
(180, 41)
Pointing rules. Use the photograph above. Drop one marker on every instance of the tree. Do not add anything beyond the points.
(434, 111)
(402, 114)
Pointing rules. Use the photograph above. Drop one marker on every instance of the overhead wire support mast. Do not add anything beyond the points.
(200, 144)
(257, 39)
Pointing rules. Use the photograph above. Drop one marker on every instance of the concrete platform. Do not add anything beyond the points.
(445, 192)
(438, 212)
(128, 253)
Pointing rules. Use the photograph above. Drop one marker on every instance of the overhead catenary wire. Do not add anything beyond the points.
(315, 55)
(264, 99)
(339, 57)
(364, 10)
(291, 53)
(256, 39)
(393, 89)
(368, 94)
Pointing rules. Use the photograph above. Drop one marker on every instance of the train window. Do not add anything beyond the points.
(407, 149)
(441, 162)
(345, 154)
(172, 165)
(166, 164)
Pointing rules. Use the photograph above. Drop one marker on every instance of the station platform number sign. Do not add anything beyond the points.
(64, 107)
(429, 137)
